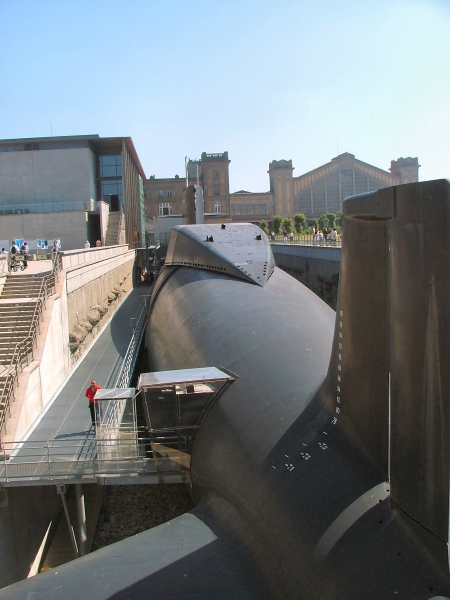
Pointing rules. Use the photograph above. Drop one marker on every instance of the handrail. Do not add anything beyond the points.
(129, 361)
(24, 348)
(305, 239)
(56, 264)
(112, 411)
(77, 459)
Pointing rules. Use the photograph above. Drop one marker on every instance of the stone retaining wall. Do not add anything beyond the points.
(317, 267)
(94, 292)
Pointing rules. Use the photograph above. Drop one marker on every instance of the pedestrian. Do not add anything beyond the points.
(285, 235)
(333, 236)
(14, 250)
(24, 250)
(55, 246)
(98, 244)
(4, 252)
(272, 236)
(87, 244)
(291, 237)
(90, 395)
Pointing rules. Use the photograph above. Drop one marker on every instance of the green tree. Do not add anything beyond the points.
(322, 221)
(331, 219)
(287, 224)
(299, 222)
(339, 217)
(264, 226)
(277, 221)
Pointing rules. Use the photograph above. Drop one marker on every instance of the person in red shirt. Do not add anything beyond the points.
(90, 393)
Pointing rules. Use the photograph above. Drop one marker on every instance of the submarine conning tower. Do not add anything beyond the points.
(240, 249)
(389, 376)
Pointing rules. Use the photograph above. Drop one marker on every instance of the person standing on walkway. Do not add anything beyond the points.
(24, 250)
(90, 393)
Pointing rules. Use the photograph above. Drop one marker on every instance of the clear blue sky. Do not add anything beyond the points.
(299, 79)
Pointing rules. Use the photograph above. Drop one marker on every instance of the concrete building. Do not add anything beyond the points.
(323, 190)
(56, 185)
(163, 197)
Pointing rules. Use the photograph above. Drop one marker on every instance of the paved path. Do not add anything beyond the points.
(68, 415)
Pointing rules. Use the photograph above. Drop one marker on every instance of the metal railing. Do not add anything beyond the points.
(56, 264)
(305, 240)
(111, 412)
(22, 352)
(45, 207)
(129, 361)
(88, 459)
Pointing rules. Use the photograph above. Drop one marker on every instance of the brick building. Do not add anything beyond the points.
(163, 197)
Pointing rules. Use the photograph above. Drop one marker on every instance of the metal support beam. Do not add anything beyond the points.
(105, 498)
(81, 512)
(61, 490)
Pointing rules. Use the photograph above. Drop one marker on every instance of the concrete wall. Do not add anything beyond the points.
(103, 208)
(82, 256)
(316, 267)
(90, 285)
(98, 277)
(25, 515)
(42, 377)
(39, 176)
(70, 227)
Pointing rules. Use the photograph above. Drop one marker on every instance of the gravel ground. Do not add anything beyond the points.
(135, 508)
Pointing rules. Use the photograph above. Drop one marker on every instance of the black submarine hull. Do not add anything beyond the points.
(275, 463)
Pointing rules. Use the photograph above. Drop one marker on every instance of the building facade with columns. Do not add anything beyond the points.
(324, 189)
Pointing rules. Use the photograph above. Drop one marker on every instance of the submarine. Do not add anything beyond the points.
(322, 470)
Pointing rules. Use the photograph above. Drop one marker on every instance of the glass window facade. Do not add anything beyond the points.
(111, 166)
(111, 188)
(327, 195)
